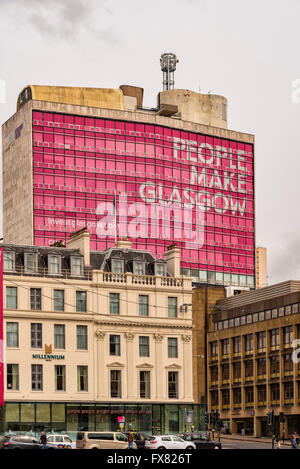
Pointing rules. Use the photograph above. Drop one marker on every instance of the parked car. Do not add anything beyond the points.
(201, 441)
(139, 438)
(61, 441)
(168, 442)
(101, 440)
(24, 442)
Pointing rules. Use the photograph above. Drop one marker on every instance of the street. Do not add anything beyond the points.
(241, 444)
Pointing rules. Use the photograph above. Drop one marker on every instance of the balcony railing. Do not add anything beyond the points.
(143, 280)
(20, 270)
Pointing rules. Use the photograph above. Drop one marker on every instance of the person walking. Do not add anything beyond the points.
(277, 439)
(130, 440)
(43, 440)
(294, 441)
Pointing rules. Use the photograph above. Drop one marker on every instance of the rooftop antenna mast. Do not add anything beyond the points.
(168, 63)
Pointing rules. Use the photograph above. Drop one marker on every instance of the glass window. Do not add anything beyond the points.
(43, 413)
(82, 338)
(261, 316)
(214, 349)
(172, 307)
(37, 377)
(76, 266)
(173, 384)
(12, 334)
(12, 372)
(172, 347)
(59, 300)
(237, 322)
(160, 269)
(82, 378)
(11, 297)
(138, 268)
(114, 303)
(249, 342)
(143, 305)
(281, 311)
(81, 301)
(274, 313)
(35, 299)
(114, 345)
(144, 346)
(59, 336)
(36, 335)
(117, 266)
(268, 315)
(54, 264)
(115, 383)
(30, 263)
(145, 384)
(60, 377)
(8, 261)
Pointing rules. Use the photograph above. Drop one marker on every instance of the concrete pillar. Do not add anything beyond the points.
(160, 374)
(131, 371)
(100, 366)
(187, 368)
(256, 426)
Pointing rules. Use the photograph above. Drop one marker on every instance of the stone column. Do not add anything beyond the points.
(101, 372)
(160, 373)
(187, 372)
(130, 367)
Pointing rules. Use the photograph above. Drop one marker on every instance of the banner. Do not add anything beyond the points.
(1, 332)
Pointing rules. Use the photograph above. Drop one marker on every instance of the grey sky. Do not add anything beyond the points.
(247, 51)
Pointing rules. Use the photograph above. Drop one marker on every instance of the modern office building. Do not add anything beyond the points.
(98, 158)
(252, 362)
(92, 337)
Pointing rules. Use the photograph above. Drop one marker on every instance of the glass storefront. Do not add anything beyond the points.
(67, 417)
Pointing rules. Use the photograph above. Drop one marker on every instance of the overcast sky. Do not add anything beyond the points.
(248, 51)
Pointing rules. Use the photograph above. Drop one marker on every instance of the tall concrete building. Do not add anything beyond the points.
(98, 158)
(261, 267)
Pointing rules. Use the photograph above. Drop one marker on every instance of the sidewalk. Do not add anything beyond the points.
(261, 439)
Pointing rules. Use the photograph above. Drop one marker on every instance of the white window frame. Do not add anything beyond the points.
(75, 274)
(13, 260)
(30, 270)
(57, 256)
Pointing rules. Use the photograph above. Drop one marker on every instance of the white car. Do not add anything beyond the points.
(61, 441)
(168, 442)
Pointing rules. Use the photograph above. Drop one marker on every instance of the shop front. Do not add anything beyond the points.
(35, 417)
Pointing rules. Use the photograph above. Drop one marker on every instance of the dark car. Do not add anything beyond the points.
(23, 442)
(139, 438)
(201, 441)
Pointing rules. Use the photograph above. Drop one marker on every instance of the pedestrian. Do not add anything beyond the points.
(294, 441)
(43, 440)
(277, 439)
(130, 440)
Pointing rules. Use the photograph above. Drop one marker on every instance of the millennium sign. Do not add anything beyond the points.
(48, 355)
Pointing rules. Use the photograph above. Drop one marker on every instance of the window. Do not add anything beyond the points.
(12, 334)
(59, 300)
(225, 347)
(225, 372)
(172, 347)
(37, 377)
(144, 346)
(275, 393)
(59, 336)
(115, 345)
(36, 299)
(214, 374)
(237, 396)
(143, 305)
(214, 350)
(81, 301)
(12, 376)
(82, 338)
(82, 378)
(54, 264)
(36, 335)
(76, 266)
(274, 337)
(114, 303)
(160, 269)
(138, 268)
(8, 261)
(11, 297)
(115, 383)
(288, 336)
(249, 369)
(288, 365)
(274, 365)
(172, 307)
(236, 345)
(30, 263)
(261, 340)
(145, 384)
(173, 384)
(60, 377)
(236, 371)
(117, 266)
(249, 343)
(261, 367)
